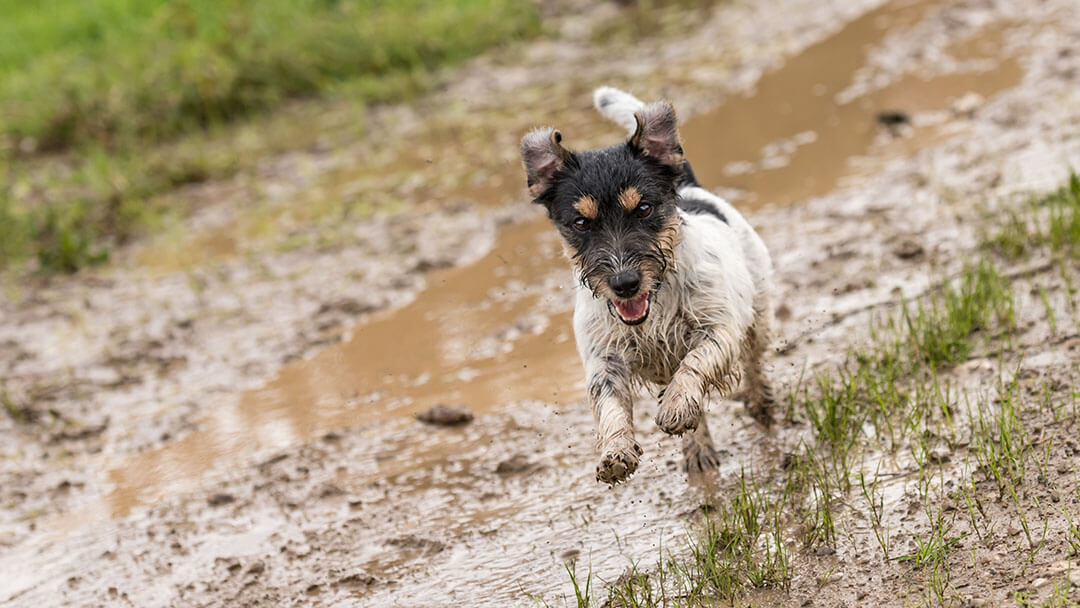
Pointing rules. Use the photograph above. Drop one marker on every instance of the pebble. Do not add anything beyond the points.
(445, 415)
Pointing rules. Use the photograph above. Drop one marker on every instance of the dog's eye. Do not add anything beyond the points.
(582, 224)
(643, 210)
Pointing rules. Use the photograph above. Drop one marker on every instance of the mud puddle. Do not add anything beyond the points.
(496, 334)
(486, 335)
(795, 135)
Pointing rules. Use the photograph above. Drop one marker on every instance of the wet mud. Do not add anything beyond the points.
(497, 331)
(298, 474)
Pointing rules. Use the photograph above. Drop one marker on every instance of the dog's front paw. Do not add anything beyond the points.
(618, 464)
(678, 414)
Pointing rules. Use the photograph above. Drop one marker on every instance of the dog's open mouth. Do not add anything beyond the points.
(632, 311)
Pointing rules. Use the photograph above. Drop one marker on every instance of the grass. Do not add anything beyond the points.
(116, 72)
(1050, 222)
(106, 105)
(932, 553)
(894, 395)
(892, 385)
(739, 546)
(939, 330)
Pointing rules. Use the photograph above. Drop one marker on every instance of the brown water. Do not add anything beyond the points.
(801, 98)
(498, 332)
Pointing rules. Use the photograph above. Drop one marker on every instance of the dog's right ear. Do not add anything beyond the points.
(657, 133)
(543, 155)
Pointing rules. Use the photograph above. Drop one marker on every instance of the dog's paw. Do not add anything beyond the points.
(761, 411)
(618, 464)
(698, 458)
(759, 404)
(677, 414)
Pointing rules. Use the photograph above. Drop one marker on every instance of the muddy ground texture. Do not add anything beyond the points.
(141, 465)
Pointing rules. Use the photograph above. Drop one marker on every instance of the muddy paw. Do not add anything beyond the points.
(677, 415)
(700, 458)
(617, 465)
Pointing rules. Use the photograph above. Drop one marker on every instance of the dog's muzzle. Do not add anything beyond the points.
(631, 311)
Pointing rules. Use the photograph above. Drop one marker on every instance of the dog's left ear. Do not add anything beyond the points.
(657, 133)
(543, 156)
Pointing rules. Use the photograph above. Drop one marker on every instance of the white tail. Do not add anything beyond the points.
(618, 106)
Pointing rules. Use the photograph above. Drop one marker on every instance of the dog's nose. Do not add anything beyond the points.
(625, 284)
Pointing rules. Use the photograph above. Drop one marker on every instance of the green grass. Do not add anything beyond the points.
(1051, 222)
(105, 106)
(893, 383)
(931, 555)
(939, 330)
(122, 71)
(739, 546)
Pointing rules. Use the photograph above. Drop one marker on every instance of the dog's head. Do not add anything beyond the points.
(614, 206)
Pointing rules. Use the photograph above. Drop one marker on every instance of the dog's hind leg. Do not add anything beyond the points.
(611, 398)
(699, 454)
(757, 393)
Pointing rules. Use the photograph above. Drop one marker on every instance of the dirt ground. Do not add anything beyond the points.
(225, 414)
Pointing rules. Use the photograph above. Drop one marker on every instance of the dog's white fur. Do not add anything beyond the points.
(708, 324)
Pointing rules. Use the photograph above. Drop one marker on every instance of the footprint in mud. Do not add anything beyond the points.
(356, 580)
(417, 544)
(518, 463)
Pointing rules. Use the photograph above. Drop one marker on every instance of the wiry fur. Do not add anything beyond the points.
(707, 274)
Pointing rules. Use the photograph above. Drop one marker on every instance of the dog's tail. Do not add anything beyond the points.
(618, 106)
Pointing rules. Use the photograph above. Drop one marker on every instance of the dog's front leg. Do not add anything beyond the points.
(608, 380)
(714, 362)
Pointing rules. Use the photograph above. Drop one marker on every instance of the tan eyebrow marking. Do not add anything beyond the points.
(630, 198)
(586, 206)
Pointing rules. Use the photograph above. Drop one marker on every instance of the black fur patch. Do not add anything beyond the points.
(685, 178)
(700, 206)
(686, 175)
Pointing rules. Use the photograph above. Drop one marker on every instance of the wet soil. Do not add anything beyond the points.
(227, 417)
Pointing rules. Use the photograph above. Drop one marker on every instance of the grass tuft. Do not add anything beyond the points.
(1051, 221)
(939, 329)
(739, 547)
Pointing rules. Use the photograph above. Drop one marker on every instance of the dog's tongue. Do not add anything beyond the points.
(631, 310)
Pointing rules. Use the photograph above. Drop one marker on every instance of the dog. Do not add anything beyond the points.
(674, 286)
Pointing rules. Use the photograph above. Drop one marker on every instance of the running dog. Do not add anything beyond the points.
(675, 287)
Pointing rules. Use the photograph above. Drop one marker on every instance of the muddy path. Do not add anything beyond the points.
(226, 417)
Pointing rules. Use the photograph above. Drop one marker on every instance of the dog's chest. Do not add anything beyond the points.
(655, 353)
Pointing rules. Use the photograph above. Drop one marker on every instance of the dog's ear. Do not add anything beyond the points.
(543, 155)
(657, 133)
